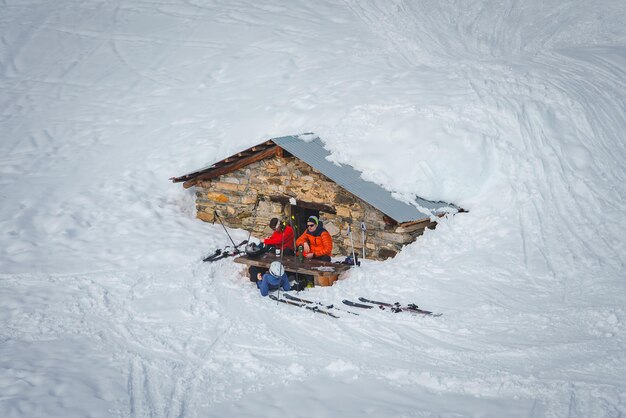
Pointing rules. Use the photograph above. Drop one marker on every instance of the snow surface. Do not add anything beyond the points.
(513, 110)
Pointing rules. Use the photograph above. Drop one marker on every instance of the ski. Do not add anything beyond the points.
(220, 256)
(303, 305)
(356, 305)
(213, 256)
(396, 307)
(312, 302)
(226, 252)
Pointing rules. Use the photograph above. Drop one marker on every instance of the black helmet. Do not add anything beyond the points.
(253, 250)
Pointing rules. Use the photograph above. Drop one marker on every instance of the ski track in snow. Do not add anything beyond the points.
(514, 110)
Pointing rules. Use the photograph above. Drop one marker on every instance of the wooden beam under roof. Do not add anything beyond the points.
(286, 200)
(243, 154)
(261, 146)
(239, 163)
(191, 177)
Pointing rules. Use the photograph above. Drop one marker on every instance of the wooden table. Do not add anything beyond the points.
(325, 277)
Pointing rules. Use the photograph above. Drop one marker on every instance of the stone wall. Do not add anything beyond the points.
(234, 196)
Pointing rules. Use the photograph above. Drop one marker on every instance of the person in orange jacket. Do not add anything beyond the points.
(316, 241)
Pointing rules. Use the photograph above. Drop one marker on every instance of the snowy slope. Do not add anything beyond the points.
(513, 110)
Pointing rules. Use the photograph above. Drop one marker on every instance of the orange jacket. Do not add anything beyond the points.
(321, 244)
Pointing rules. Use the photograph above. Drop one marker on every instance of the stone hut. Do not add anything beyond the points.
(291, 177)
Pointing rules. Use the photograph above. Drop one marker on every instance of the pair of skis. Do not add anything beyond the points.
(321, 308)
(393, 307)
(302, 303)
(226, 252)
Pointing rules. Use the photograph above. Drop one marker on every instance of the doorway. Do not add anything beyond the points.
(299, 215)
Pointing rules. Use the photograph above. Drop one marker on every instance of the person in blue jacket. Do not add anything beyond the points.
(273, 279)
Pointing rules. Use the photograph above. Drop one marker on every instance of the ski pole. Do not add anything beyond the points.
(363, 229)
(283, 226)
(256, 205)
(225, 230)
(352, 245)
(295, 231)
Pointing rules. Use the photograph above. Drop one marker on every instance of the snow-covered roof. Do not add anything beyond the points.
(310, 149)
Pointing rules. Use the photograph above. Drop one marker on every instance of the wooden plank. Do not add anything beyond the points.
(307, 205)
(232, 167)
(189, 178)
(261, 147)
(414, 226)
(292, 264)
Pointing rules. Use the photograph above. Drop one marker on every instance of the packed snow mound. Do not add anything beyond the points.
(514, 111)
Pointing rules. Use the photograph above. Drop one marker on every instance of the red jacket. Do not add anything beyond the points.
(321, 242)
(285, 238)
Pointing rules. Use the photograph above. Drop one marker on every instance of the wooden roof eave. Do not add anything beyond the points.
(418, 224)
(235, 164)
(222, 163)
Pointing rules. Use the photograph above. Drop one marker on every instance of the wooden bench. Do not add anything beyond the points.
(324, 273)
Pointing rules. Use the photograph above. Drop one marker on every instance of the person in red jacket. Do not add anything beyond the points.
(316, 241)
(281, 238)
